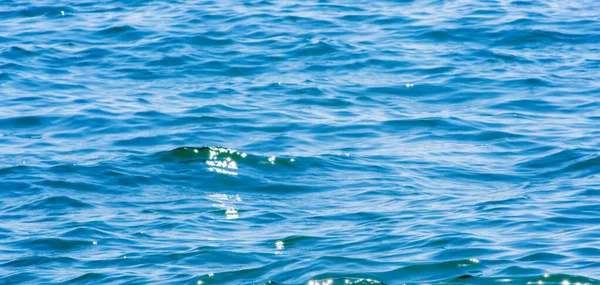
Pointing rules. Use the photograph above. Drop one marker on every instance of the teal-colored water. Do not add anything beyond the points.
(300, 142)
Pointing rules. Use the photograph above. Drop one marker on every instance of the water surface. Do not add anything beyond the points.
(296, 142)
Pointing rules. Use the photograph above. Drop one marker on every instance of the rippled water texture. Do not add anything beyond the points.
(300, 142)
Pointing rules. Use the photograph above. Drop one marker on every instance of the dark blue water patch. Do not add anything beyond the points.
(431, 271)
(57, 201)
(429, 124)
(16, 71)
(206, 40)
(317, 49)
(6, 40)
(494, 57)
(520, 272)
(561, 162)
(314, 91)
(333, 103)
(5, 77)
(27, 122)
(121, 33)
(33, 11)
(92, 278)
(543, 257)
(91, 55)
(16, 52)
(169, 61)
(453, 35)
(41, 261)
(54, 244)
(529, 106)
(537, 38)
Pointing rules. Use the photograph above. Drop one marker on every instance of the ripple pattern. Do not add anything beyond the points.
(313, 142)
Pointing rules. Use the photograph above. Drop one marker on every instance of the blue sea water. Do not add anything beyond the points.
(300, 142)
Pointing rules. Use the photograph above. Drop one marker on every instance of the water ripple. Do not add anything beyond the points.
(318, 143)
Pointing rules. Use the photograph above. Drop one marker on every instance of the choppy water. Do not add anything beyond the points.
(296, 142)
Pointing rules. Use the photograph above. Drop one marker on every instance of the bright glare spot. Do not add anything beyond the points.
(210, 274)
(199, 282)
(196, 150)
(279, 82)
(224, 197)
(311, 282)
(346, 281)
(565, 282)
(540, 282)
(292, 160)
(62, 12)
(272, 160)
(279, 245)
(231, 213)
(221, 166)
(546, 275)
(124, 257)
(244, 155)
(94, 242)
(474, 260)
